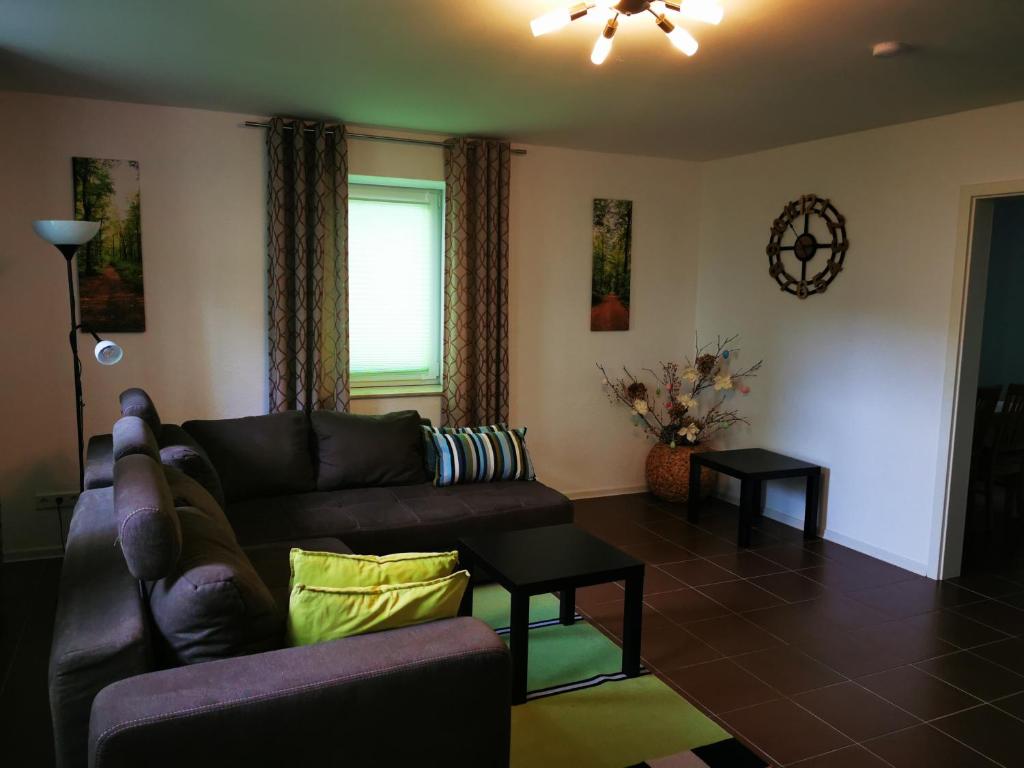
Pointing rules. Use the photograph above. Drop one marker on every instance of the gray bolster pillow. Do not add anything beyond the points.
(135, 402)
(147, 522)
(133, 435)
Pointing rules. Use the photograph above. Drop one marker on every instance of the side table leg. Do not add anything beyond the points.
(567, 606)
(518, 638)
(632, 623)
(750, 497)
(693, 500)
(812, 505)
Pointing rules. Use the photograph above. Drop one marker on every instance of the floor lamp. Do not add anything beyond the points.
(68, 236)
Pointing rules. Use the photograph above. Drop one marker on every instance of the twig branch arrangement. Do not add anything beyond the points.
(670, 413)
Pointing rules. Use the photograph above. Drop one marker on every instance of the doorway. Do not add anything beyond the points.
(984, 511)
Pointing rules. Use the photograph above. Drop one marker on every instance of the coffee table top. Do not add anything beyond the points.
(756, 463)
(547, 558)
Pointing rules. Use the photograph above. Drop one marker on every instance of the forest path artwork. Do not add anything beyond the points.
(111, 296)
(612, 252)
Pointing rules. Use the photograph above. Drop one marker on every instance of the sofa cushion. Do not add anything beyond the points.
(401, 518)
(329, 569)
(213, 605)
(478, 454)
(360, 451)
(148, 527)
(180, 450)
(99, 462)
(135, 402)
(133, 435)
(271, 563)
(258, 456)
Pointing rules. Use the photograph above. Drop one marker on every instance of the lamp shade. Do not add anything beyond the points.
(59, 232)
(108, 353)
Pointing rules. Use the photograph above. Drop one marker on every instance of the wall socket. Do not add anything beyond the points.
(65, 500)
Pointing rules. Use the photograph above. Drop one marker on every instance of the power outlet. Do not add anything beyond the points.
(58, 500)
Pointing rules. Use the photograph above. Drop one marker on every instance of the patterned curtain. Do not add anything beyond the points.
(307, 249)
(476, 282)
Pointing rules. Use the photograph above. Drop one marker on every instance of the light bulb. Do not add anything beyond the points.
(658, 7)
(550, 22)
(602, 48)
(683, 40)
(707, 11)
(108, 353)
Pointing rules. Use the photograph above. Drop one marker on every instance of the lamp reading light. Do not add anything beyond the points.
(678, 36)
(603, 46)
(108, 353)
(555, 20)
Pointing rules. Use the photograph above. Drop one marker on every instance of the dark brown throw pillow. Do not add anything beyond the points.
(258, 456)
(213, 605)
(361, 451)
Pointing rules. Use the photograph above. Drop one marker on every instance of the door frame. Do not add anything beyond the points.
(963, 355)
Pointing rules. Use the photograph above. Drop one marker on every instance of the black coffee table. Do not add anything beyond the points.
(557, 558)
(753, 467)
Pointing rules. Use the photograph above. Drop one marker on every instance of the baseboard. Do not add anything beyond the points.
(596, 493)
(793, 521)
(32, 553)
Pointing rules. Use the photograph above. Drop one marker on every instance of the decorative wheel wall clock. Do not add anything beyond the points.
(805, 228)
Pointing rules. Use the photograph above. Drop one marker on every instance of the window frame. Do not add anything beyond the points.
(391, 189)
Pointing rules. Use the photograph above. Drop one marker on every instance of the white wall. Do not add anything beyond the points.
(854, 378)
(203, 354)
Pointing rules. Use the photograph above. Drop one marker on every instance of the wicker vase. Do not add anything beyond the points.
(668, 472)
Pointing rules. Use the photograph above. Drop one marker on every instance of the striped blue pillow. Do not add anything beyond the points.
(478, 454)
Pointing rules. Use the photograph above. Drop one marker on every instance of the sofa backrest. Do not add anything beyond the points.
(259, 456)
(101, 633)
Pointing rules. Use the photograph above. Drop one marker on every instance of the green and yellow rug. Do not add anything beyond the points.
(581, 711)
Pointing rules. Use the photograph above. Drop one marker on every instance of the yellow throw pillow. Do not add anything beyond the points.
(329, 569)
(319, 614)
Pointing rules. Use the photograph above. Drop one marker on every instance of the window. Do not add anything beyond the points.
(394, 263)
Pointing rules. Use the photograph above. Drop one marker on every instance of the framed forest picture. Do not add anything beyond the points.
(111, 296)
(612, 244)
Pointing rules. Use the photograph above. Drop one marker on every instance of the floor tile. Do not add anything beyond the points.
(658, 552)
(746, 564)
(788, 669)
(960, 630)
(850, 654)
(1014, 705)
(666, 646)
(599, 593)
(912, 597)
(721, 686)
(992, 732)
(825, 617)
(739, 595)
(908, 640)
(657, 580)
(790, 586)
(987, 584)
(731, 635)
(854, 711)
(856, 577)
(686, 605)
(994, 614)
(793, 556)
(973, 674)
(925, 747)
(1008, 653)
(696, 573)
(849, 757)
(785, 732)
(918, 692)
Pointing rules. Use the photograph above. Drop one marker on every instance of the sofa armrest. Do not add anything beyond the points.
(432, 694)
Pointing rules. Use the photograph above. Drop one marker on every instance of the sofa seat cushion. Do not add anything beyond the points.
(401, 518)
(258, 456)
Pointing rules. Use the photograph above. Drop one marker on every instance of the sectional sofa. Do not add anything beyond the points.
(124, 693)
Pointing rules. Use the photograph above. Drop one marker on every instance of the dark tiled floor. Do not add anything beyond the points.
(813, 654)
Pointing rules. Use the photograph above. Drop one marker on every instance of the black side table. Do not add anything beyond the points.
(556, 558)
(753, 467)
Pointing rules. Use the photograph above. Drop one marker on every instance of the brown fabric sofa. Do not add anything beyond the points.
(434, 694)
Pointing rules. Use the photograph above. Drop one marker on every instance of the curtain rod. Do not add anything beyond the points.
(378, 137)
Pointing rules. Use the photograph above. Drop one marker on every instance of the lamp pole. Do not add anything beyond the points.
(69, 253)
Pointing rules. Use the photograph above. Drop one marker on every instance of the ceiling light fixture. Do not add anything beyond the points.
(706, 11)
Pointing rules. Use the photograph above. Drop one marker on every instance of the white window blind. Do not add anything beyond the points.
(395, 263)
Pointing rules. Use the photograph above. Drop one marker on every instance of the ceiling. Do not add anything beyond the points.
(774, 72)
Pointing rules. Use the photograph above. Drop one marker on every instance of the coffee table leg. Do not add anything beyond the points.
(750, 497)
(632, 623)
(812, 505)
(466, 563)
(693, 499)
(518, 638)
(567, 606)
